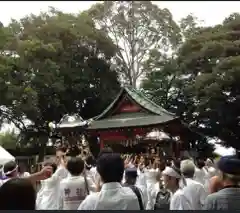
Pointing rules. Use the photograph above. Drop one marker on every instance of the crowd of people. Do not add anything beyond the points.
(123, 182)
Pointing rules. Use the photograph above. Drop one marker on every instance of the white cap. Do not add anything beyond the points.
(187, 165)
(171, 172)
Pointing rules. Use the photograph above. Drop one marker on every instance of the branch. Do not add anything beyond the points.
(14, 120)
(169, 87)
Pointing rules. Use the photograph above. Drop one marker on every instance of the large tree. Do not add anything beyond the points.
(170, 84)
(211, 60)
(164, 82)
(57, 63)
(137, 28)
(207, 65)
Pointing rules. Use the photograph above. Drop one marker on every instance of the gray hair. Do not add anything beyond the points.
(187, 168)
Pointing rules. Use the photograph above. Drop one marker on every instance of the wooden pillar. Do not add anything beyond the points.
(158, 150)
(101, 143)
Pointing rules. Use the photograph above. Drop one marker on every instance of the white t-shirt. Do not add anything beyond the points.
(179, 201)
(195, 193)
(49, 193)
(200, 175)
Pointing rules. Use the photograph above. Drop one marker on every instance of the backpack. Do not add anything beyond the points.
(162, 200)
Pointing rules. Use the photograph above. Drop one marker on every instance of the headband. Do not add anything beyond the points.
(9, 172)
(87, 165)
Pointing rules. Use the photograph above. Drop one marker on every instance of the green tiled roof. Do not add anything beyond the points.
(132, 120)
(140, 99)
(153, 114)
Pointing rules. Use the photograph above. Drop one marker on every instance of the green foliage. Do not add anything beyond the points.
(8, 140)
(161, 84)
(207, 73)
(136, 27)
(57, 64)
(189, 26)
(212, 58)
(164, 82)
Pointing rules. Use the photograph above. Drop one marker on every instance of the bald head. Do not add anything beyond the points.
(188, 168)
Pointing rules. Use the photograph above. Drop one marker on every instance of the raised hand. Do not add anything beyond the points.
(46, 172)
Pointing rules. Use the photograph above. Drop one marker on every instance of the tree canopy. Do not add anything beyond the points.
(206, 74)
(8, 140)
(164, 81)
(53, 64)
(137, 28)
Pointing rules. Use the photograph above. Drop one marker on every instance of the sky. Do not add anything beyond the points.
(222, 151)
(211, 12)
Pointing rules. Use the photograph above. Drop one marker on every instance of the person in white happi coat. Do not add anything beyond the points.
(141, 182)
(112, 196)
(193, 190)
(74, 188)
(200, 174)
(61, 160)
(210, 171)
(141, 179)
(151, 175)
(152, 195)
(49, 193)
(92, 168)
(171, 178)
(89, 174)
(94, 172)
